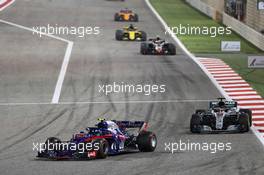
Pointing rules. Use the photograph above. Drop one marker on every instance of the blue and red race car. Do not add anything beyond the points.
(107, 138)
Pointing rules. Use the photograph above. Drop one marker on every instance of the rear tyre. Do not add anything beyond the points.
(171, 49)
(101, 149)
(199, 111)
(244, 122)
(136, 18)
(119, 35)
(143, 36)
(144, 48)
(249, 113)
(146, 141)
(195, 124)
(116, 17)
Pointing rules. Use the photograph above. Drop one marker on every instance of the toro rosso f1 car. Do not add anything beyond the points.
(107, 138)
(126, 15)
(157, 46)
(222, 116)
(130, 33)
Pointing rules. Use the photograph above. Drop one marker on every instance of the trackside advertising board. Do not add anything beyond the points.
(256, 61)
(230, 46)
(260, 4)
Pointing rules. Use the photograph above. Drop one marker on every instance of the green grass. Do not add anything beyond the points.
(176, 12)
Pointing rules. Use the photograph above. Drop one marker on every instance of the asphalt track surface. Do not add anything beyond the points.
(29, 70)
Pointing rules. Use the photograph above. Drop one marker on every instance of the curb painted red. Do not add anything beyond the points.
(5, 4)
(237, 89)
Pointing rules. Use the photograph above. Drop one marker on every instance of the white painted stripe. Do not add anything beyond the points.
(215, 69)
(233, 81)
(258, 111)
(109, 102)
(32, 30)
(255, 116)
(238, 93)
(229, 78)
(246, 97)
(57, 92)
(249, 101)
(221, 72)
(214, 63)
(64, 66)
(232, 85)
(233, 74)
(250, 106)
(258, 122)
(239, 89)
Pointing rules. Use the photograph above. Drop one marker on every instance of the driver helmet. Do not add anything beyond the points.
(158, 37)
(102, 124)
(221, 104)
(131, 26)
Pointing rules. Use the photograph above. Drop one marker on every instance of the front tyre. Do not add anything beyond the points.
(146, 141)
(143, 36)
(119, 35)
(243, 121)
(249, 113)
(101, 147)
(195, 124)
(144, 48)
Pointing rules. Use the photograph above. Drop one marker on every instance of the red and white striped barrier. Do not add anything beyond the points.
(237, 89)
(5, 3)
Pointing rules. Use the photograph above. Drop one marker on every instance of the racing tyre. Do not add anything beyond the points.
(119, 35)
(249, 113)
(143, 36)
(136, 18)
(243, 122)
(146, 141)
(52, 140)
(144, 48)
(102, 149)
(116, 17)
(195, 123)
(199, 111)
(171, 49)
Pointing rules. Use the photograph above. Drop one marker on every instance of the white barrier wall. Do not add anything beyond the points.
(203, 7)
(242, 29)
(245, 31)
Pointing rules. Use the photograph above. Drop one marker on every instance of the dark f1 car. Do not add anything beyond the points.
(222, 116)
(126, 15)
(130, 33)
(157, 47)
(107, 138)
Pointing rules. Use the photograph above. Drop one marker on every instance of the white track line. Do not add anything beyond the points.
(32, 30)
(58, 87)
(109, 102)
(64, 66)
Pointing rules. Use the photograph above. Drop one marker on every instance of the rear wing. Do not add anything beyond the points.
(142, 125)
(228, 104)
